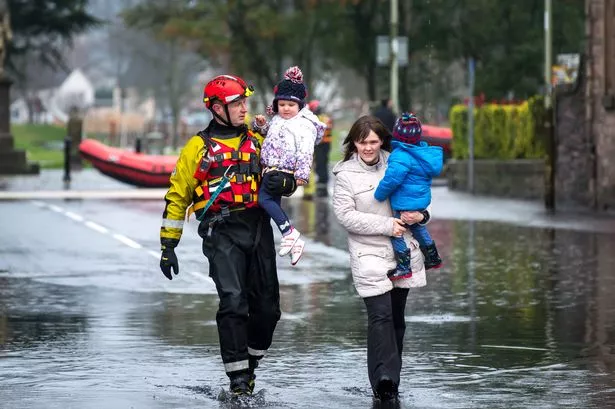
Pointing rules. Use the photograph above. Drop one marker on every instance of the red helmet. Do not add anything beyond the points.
(225, 89)
(313, 105)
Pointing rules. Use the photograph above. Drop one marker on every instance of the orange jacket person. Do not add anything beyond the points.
(322, 150)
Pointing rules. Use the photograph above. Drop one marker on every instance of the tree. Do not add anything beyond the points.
(42, 31)
(257, 39)
(45, 28)
(505, 38)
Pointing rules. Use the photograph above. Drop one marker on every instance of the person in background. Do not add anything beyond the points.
(370, 224)
(385, 113)
(236, 232)
(321, 151)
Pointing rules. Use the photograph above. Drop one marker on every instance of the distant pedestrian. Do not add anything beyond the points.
(407, 183)
(385, 113)
(322, 150)
(287, 154)
(370, 223)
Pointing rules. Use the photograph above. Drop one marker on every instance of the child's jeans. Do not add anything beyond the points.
(272, 205)
(419, 232)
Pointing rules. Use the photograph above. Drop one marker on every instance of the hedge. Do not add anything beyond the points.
(500, 131)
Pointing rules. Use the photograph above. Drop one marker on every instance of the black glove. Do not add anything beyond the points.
(168, 260)
(280, 183)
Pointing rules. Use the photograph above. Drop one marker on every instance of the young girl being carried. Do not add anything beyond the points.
(286, 154)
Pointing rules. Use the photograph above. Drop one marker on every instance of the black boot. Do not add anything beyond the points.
(403, 269)
(240, 383)
(253, 366)
(432, 258)
(386, 390)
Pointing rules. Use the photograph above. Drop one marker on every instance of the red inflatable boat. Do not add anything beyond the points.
(438, 136)
(129, 167)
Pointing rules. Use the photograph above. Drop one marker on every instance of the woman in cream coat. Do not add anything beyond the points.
(370, 224)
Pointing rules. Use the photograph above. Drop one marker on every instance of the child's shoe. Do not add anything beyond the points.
(403, 269)
(296, 251)
(288, 241)
(432, 258)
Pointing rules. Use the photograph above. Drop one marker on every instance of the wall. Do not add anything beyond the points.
(600, 106)
(517, 179)
(574, 148)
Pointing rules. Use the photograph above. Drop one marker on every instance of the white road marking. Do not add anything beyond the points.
(101, 229)
(74, 216)
(127, 241)
(56, 208)
(97, 227)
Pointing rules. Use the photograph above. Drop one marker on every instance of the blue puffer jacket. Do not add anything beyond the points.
(407, 180)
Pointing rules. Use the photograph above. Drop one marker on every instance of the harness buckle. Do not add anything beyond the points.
(226, 173)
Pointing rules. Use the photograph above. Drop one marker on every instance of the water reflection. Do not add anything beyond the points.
(517, 317)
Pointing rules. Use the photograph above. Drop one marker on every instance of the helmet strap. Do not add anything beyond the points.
(221, 119)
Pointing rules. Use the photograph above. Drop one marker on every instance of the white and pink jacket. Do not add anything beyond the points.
(289, 144)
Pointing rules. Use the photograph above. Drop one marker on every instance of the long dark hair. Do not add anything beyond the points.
(360, 130)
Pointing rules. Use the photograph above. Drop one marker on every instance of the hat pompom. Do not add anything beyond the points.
(408, 129)
(294, 74)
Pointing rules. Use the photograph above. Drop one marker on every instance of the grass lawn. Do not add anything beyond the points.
(43, 143)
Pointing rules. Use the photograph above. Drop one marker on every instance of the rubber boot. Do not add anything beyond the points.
(432, 258)
(386, 390)
(403, 269)
(240, 383)
(252, 381)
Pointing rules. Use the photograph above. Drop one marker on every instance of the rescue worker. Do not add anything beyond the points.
(321, 152)
(237, 234)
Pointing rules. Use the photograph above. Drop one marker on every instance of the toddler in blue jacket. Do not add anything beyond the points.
(407, 182)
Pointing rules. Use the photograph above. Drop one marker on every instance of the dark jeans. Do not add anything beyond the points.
(386, 326)
(419, 232)
(242, 263)
(273, 206)
(321, 163)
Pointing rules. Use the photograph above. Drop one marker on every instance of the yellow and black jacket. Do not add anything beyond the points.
(224, 147)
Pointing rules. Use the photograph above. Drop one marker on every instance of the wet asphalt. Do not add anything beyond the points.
(521, 315)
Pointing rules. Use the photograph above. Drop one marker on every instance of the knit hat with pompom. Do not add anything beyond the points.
(408, 129)
(291, 88)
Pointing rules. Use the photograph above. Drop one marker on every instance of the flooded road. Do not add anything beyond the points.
(519, 317)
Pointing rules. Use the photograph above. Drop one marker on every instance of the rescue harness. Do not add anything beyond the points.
(229, 178)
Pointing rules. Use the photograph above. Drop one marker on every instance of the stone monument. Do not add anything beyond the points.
(12, 161)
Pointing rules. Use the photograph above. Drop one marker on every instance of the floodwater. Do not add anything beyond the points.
(519, 317)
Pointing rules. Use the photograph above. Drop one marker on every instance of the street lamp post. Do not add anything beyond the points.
(394, 47)
(548, 52)
(550, 149)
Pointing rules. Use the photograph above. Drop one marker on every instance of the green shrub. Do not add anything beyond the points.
(500, 131)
